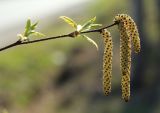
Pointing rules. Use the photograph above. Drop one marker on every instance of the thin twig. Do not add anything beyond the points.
(72, 35)
(100, 29)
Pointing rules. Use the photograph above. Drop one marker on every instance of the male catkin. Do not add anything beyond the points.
(125, 62)
(131, 28)
(134, 35)
(107, 61)
(125, 54)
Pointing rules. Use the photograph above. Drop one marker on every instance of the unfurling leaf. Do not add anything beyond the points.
(79, 28)
(91, 41)
(28, 24)
(38, 34)
(34, 26)
(96, 25)
(92, 26)
(29, 30)
(88, 24)
(69, 21)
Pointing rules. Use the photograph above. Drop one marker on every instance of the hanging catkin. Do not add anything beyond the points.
(134, 35)
(125, 54)
(107, 61)
(132, 30)
(125, 61)
(128, 35)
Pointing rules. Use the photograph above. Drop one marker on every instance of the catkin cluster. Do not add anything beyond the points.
(107, 61)
(128, 36)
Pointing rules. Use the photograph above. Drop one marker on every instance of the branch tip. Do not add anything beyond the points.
(72, 35)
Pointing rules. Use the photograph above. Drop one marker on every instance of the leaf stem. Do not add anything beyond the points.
(72, 35)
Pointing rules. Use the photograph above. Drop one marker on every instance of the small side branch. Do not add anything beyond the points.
(72, 35)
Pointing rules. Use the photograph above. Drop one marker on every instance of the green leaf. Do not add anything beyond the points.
(27, 27)
(38, 34)
(28, 24)
(96, 25)
(92, 26)
(29, 30)
(88, 24)
(69, 21)
(34, 26)
(91, 41)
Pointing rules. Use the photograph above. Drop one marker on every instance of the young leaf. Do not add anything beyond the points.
(31, 32)
(69, 21)
(91, 41)
(88, 24)
(28, 24)
(34, 26)
(92, 26)
(96, 25)
(29, 29)
(38, 34)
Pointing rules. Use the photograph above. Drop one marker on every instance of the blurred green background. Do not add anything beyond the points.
(65, 75)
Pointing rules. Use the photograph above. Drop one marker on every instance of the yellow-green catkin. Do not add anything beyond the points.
(125, 56)
(125, 62)
(132, 30)
(107, 61)
(134, 35)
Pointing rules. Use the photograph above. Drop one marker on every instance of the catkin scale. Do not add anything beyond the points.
(107, 61)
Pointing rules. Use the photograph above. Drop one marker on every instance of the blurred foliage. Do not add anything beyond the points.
(64, 75)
